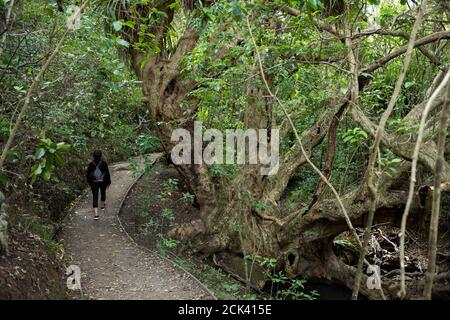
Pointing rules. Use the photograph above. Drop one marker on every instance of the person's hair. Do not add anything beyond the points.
(97, 155)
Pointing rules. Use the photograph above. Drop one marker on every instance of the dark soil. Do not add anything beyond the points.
(30, 271)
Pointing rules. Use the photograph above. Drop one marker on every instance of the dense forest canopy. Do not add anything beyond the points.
(346, 83)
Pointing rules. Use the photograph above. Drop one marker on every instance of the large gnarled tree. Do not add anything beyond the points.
(181, 49)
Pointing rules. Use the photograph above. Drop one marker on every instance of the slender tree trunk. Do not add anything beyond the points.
(434, 224)
(7, 22)
(371, 184)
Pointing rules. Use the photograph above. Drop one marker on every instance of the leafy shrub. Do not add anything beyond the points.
(148, 143)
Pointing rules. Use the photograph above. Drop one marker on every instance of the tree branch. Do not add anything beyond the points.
(437, 36)
(401, 34)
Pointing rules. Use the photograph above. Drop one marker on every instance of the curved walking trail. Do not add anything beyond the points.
(112, 265)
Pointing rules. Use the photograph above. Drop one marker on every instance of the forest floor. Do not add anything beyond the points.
(32, 270)
(112, 265)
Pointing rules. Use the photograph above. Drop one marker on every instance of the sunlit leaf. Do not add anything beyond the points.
(39, 153)
(117, 25)
(62, 147)
(123, 43)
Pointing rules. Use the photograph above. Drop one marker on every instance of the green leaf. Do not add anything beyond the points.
(19, 89)
(59, 159)
(39, 153)
(314, 4)
(43, 162)
(117, 25)
(129, 24)
(5, 58)
(367, 75)
(48, 143)
(409, 84)
(3, 180)
(62, 147)
(236, 11)
(123, 43)
(36, 170)
(47, 174)
(48, 164)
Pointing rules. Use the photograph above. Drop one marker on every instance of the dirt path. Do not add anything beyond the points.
(114, 267)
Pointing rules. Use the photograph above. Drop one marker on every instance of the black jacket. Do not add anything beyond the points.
(103, 166)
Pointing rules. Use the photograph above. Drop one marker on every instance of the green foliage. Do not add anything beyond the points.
(148, 228)
(234, 287)
(4, 128)
(237, 228)
(48, 155)
(163, 244)
(264, 262)
(91, 100)
(296, 291)
(292, 289)
(221, 284)
(134, 167)
(404, 128)
(4, 180)
(148, 143)
(261, 206)
(355, 135)
(88, 98)
(168, 214)
(188, 197)
(388, 163)
(170, 185)
(225, 171)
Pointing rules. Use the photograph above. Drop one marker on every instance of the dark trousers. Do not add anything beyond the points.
(95, 187)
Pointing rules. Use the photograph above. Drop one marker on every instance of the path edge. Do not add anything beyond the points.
(117, 214)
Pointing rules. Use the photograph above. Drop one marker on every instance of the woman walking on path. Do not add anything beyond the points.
(98, 178)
